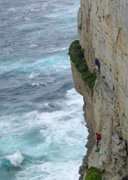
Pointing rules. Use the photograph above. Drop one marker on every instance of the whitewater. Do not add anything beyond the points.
(42, 128)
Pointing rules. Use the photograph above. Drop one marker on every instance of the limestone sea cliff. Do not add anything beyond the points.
(103, 33)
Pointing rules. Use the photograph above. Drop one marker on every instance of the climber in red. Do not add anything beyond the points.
(98, 138)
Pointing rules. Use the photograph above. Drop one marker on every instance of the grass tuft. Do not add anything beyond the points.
(93, 174)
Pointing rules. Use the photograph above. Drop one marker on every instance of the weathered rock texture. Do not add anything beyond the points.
(103, 32)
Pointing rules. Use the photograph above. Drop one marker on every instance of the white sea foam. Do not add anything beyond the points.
(35, 84)
(26, 18)
(33, 45)
(33, 75)
(64, 48)
(57, 49)
(15, 159)
(51, 171)
(64, 137)
(46, 105)
(12, 9)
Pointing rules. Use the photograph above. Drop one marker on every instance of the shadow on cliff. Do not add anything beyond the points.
(125, 178)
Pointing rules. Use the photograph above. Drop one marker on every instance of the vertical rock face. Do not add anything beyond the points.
(103, 32)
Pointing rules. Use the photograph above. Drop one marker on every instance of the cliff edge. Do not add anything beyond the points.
(103, 33)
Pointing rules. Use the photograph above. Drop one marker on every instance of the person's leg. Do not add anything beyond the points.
(98, 67)
(97, 144)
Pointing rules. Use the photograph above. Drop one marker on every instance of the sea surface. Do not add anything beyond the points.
(42, 129)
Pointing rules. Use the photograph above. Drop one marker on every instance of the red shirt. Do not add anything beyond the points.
(98, 137)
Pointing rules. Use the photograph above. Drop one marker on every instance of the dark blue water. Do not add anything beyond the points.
(42, 132)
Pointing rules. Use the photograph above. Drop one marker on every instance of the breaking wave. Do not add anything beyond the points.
(12, 161)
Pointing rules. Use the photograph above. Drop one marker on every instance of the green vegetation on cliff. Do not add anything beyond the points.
(93, 174)
(77, 56)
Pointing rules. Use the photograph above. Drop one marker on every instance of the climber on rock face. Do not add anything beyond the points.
(97, 64)
(98, 138)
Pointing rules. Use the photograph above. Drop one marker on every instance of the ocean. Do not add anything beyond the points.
(42, 128)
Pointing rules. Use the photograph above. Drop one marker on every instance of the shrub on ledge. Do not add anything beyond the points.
(93, 174)
(77, 56)
(75, 51)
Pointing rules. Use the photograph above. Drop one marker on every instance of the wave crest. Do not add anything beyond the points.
(12, 161)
